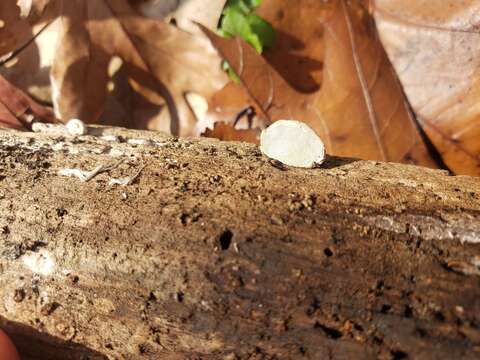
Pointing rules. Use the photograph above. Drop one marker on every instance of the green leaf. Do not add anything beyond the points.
(239, 20)
(262, 29)
(252, 28)
(254, 3)
(241, 6)
(254, 40)
(235, 23)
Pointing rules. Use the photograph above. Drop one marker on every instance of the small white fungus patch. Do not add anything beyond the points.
(40, 262)
(113, 138)
(139, 141)
(45, 128)
(72, 127)
(293, 143)
(76, 127)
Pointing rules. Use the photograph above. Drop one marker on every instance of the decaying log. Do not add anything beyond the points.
(198, 249)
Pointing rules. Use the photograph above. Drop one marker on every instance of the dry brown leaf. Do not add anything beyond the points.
(29, 7)
(162, 61)
(435, 48)
(227, 132)
(360, 109)
(14, 30)
(18, 110)
(299, 45)
(226, 106)
(183, 12)
(79, 71)
(25, 7)
(28, 67)
(29, 70)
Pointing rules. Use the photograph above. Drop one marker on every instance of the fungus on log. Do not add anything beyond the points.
(212, 251)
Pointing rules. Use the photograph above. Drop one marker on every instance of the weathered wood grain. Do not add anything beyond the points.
(214, 252)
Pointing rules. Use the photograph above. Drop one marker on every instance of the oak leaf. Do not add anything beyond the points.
(14, 30)
(162, 62)
(359, 110)
(435, 48)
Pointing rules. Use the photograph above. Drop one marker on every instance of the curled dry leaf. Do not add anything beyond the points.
(228, 132)
(226, 118)
(435, 48)
(162, 62)
(18, 110)
(360, 109)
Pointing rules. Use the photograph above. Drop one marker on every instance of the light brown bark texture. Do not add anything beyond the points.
(215, 252)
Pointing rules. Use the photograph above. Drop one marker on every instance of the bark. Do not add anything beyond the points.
(215, 252)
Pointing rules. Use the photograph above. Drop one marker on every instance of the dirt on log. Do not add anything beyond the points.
(199, 249)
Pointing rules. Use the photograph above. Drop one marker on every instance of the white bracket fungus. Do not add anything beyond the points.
(292, 143)
(76, 127)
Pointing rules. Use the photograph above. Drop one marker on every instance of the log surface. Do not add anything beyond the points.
(212, 251)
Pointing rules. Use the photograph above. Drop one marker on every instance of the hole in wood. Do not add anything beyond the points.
(330, 332)
(226, 239)
(328, 252)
